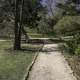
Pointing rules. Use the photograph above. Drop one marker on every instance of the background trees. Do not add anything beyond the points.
(61, 17)
(29, 9)
(23, 12)
(69, 25)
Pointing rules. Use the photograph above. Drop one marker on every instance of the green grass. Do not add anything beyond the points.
(13, 64)
(35, 35)
(38, 35)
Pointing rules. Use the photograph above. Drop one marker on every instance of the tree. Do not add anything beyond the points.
(68, 25)
(23, 12)
(70, 7)
(70, 11)
(32, 10)
(17, 37)
(49, 4)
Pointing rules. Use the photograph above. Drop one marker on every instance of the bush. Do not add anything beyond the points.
(77, 51)
(71, 46)
(68, 25)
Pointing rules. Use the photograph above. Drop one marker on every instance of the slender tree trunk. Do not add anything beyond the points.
(21, 22)
(18, 24)
(16, 29)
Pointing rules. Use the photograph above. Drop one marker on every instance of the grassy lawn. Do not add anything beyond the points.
(74, 62)
(34, 34)
(13, 64)
(38, 35)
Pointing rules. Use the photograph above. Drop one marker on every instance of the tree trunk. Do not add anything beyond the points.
(16, 29)
(21, 22)
(18, 25)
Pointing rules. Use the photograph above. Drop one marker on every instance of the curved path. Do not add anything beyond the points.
(51, 65)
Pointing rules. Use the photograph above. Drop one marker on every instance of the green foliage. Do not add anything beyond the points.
(45, 25)
(32, 8)
(77, 51)
(69, 7)
(73, 46)
(68, 24)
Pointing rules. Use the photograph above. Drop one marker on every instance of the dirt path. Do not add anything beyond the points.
(51, 65)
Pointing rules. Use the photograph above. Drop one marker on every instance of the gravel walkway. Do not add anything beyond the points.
(51, 65)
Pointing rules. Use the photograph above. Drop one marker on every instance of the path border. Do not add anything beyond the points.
(26, 75)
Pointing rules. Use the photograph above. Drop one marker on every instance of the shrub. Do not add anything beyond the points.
(77, 51)
(67, 25)
(71, 46)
